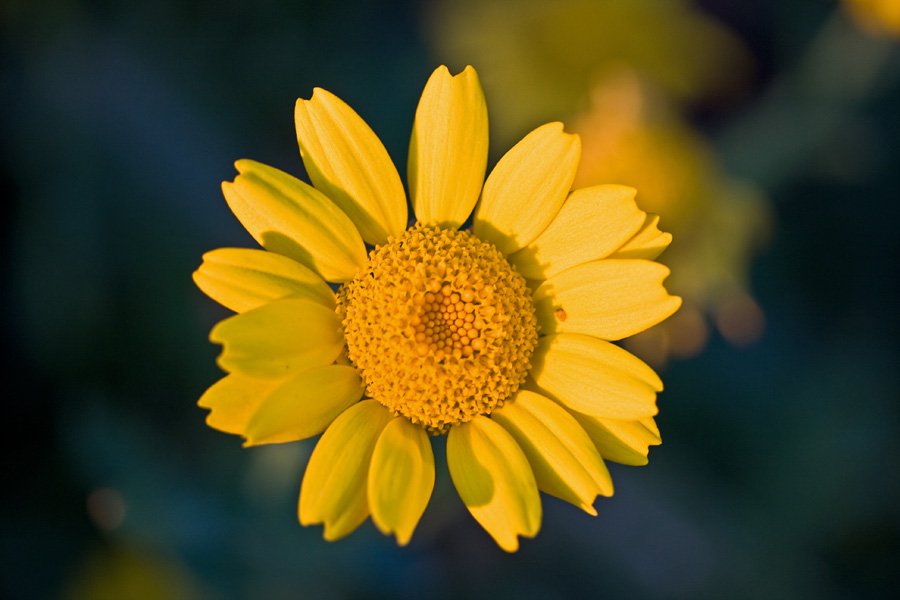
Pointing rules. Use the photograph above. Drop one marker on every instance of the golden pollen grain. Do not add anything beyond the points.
(440, 326)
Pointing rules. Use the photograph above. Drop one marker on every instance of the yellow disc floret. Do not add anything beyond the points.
(440, 326)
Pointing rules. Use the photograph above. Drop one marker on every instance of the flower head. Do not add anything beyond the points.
(499, 337)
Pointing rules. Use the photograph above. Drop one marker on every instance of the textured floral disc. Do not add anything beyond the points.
(440, 326)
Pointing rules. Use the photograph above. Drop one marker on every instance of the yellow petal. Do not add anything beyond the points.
(242, 279)
(304, 405)
(609, 299)
(289, 217)
(233, 399)
(494, 480)
(594, 377)
(648, 243)
(448, 149)
(650, 424)
(527, 187)
(401, 478)
(625, 442)
(279, 339)
(592, 224)
(334, 485)
(565, 462)
(348, 163)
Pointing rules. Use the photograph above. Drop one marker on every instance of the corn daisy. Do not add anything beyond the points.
(499, 336)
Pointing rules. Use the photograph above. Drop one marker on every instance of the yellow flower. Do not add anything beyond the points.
(499, 336)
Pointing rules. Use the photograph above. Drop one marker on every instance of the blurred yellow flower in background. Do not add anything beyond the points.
(499, 336)
(623, 70)
(879, 17)
(539, 60)
(121, 570)
(632, 135)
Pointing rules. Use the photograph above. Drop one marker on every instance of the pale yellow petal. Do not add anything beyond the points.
(291, 218)
(565, 462)
(279, 339)
(304, 405)
(625, 442)
(527, 188)
(494, 480)
(233, 399)
(595, 377)
(334, 486)
(242, 279)
(348, 163)
(609, 299)
(448, 150)
(401, 478)
(648, 243)
(592, 224)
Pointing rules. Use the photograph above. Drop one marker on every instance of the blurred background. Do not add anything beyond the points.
(765, 133)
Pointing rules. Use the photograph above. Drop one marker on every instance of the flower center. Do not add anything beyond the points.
(439, 325)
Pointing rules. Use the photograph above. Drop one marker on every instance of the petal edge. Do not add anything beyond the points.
(242, 279)
(279, 339)
(291, 218)
(401, 478)
(594, 377)
(448, 148)
(527, 187)
(494, 480)
(348, 163)
(610, 299)
(592, 224)
(565, 462)
(333, 491)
